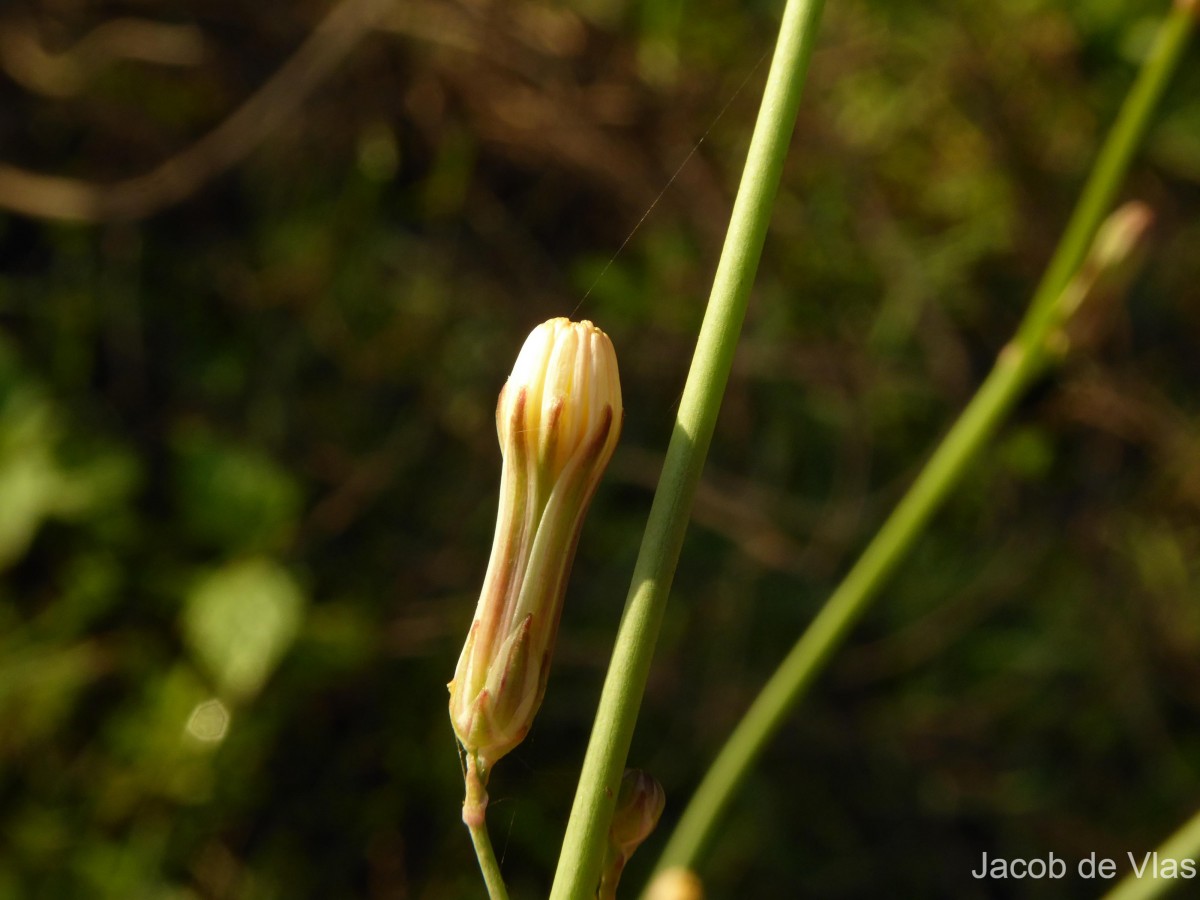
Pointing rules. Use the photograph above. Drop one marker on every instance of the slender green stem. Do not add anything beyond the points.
(487, 862)
(1019, 363)
(1183, 844)
(587, 829)
(773, 704)
(475, 818)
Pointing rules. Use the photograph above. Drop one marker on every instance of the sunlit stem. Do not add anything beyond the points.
(1184, 844)
(584, 843)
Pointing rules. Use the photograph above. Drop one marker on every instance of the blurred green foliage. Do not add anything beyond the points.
(248, 468)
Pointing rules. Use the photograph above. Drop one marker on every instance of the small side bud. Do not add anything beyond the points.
(558, 420)
(675, 884)
(1120, 234)
(639, 805)
(640, 802)
(1091, 300)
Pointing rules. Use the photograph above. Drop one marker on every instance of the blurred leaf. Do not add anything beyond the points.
(1027, 452)
(240, 620)
(35, 482)
(39, 685)
(230, 496)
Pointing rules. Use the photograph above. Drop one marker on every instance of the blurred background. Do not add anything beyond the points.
(263, 270)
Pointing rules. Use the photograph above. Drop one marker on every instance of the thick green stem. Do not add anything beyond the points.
(1017, 365)
(1184, 844)
(587, 829)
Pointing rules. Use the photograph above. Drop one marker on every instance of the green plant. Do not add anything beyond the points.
(1085, 255)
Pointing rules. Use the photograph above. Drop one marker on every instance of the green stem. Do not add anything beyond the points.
(487, 862)
(770, 709)
(1183, 844)
(587, 829)
(1017, 365)
(474, 817)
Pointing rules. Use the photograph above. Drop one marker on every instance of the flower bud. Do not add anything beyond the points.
(558, 419)
(1091, 302)
(675, 884)
(640, 802)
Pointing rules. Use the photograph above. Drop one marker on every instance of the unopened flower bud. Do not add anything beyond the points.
(640, 802)
(675, 884)
(1091, 301)
(558, 420)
